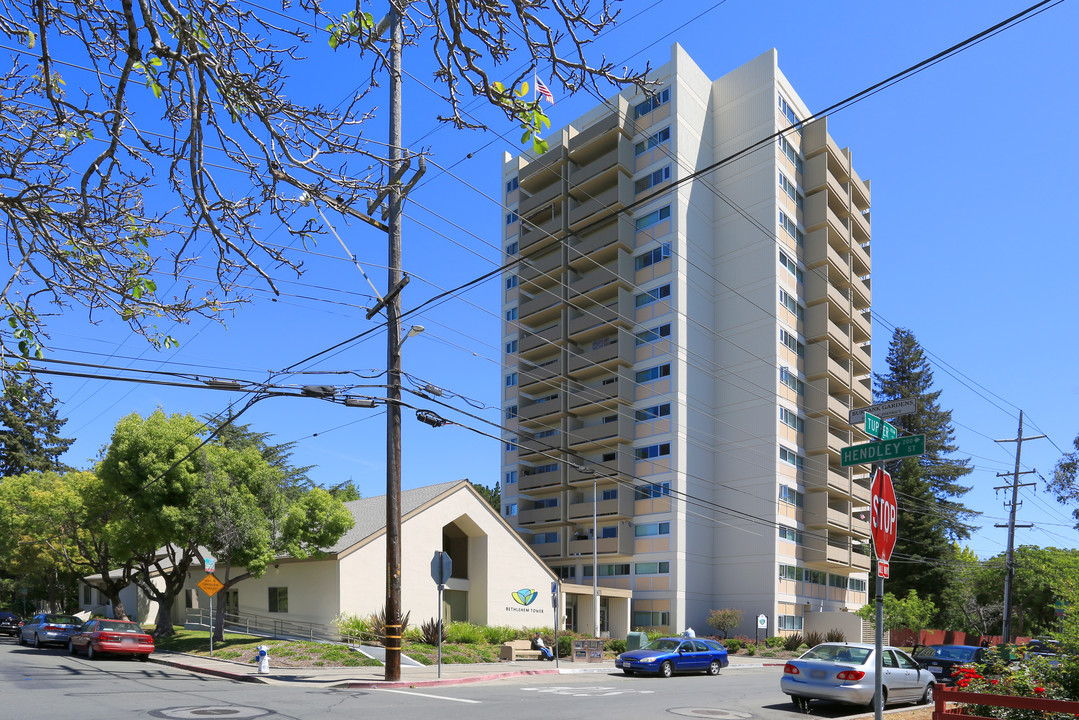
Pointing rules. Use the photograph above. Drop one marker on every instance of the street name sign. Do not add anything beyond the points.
(906, 446)
(884, 512)
(210, 585)
(890, 409)
(875, 427)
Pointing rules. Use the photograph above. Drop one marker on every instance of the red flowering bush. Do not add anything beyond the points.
(1029, 677)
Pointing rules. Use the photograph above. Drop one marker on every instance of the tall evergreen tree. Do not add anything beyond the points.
(30, 430)
(927, 488)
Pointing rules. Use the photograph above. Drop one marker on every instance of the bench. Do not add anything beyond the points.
(515, 649)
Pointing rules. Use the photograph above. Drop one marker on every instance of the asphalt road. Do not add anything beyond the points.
(50, 684)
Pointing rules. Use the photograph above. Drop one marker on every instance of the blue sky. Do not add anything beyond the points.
(972, 173)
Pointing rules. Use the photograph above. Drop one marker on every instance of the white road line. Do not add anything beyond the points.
(418, 694)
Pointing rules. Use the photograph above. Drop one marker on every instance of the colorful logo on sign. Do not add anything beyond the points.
(524, 596)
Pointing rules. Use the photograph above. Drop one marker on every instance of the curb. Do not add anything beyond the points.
(226, 674)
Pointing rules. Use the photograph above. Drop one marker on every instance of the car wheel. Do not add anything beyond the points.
(927, 696)
(627, 671)
(71, 647)
(801, 703)
(714, 668)
(883, 700)
(145, 657)
(22, 640)
(90, 654)
(666, 669)
(37, 641)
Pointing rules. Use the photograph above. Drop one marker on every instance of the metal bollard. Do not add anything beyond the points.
(264, 660)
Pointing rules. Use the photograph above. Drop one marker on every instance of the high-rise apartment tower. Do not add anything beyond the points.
(685, 333)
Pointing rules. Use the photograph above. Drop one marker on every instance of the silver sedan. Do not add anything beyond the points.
(844, 673)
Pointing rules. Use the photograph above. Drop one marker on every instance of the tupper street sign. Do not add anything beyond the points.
(906, 446)
(875, 427)
(884, 513)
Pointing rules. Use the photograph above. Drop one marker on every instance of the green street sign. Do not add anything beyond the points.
(907, 446)
(875, 427)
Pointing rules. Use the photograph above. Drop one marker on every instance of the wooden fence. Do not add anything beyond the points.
(942, 696)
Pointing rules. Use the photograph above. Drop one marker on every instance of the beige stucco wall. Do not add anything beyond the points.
(499, 564)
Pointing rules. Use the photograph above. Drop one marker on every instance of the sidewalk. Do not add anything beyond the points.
(411, 676)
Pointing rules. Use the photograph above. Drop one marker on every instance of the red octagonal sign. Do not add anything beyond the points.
(883, 519)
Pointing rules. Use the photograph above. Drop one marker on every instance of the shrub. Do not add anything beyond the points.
(615, 645)
(1030, 677)
(813, 639)
(733, 645)
(725, 619)
(413, 634)
(377, 623)
(354, 628)
(792, 642)
(433, 631)
(498, 634)
(835, 635)
(775, 641)
(464, 633)
(565, 646)
(751, 650)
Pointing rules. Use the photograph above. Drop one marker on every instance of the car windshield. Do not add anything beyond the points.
(838, 653)
(62, 620)
(663, 645)
(119, 626)
(958, 654)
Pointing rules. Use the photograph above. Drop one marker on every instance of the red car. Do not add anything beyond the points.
(120, 637)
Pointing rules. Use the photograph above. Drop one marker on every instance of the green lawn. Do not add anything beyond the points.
(283, 653)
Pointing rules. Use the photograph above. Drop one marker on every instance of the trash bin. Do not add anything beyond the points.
(635, 640)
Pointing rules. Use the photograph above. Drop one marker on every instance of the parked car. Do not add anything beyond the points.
(48, 629)
(9, 624)
(670, 655)
(845, 673)
(120, 637)
(942, 660)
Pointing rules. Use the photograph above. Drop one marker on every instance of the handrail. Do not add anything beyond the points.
(278, 627)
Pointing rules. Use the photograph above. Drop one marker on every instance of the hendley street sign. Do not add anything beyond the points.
(906, 446)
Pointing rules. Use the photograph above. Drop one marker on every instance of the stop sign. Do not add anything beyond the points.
(883, 518)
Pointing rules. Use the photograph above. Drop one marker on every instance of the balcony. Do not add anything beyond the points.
(861, 327)
(622, 466)
(545, 196)
(547, 549)
(541, 272)
(863, 363)
(825, 551)
(823, 436)
(546, 412)
(828, 399)
(604, 355)
(818, 251)
(537, 516)
(588, 179)
(600, 244)
(538, 450)
(620, 507)
(820, 326)
(816, 140)
(821, 511)
(550, 479)
(540, 309)
(544, 230)
(534, 378)
(603, 435)
(603, 204)
(621, 545)
(537, 343)
(819, 212)
(834, 480)
(594, 139)
(863, 390)
(544, 170)
(861, 291)
(820, 362)
(600, 283)
(818, 289)
(591, 321)
(859, 191)
(593, 398)
(823, 171)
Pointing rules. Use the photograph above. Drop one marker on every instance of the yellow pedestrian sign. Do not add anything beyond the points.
(210, 585)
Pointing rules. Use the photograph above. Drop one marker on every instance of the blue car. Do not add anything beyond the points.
(666, 656)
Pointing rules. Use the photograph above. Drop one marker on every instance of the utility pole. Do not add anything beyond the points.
(1009, 575)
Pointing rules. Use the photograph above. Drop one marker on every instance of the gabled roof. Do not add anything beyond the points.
(370, 513)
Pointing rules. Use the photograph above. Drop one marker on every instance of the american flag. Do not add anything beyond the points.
(543, 90)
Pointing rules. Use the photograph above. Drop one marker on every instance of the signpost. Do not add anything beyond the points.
(210, 585)
(441, 570)
(906, 446)
(762, 624)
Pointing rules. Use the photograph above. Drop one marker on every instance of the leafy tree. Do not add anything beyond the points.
(293, 481)
(1065, 482)
(154, 462)
(111, 188)
(911, 612)
(724, 620)
(926, 487)
(75, 522)
(345, 491)
(1042, 577)
(493, 495)
(30, 430)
